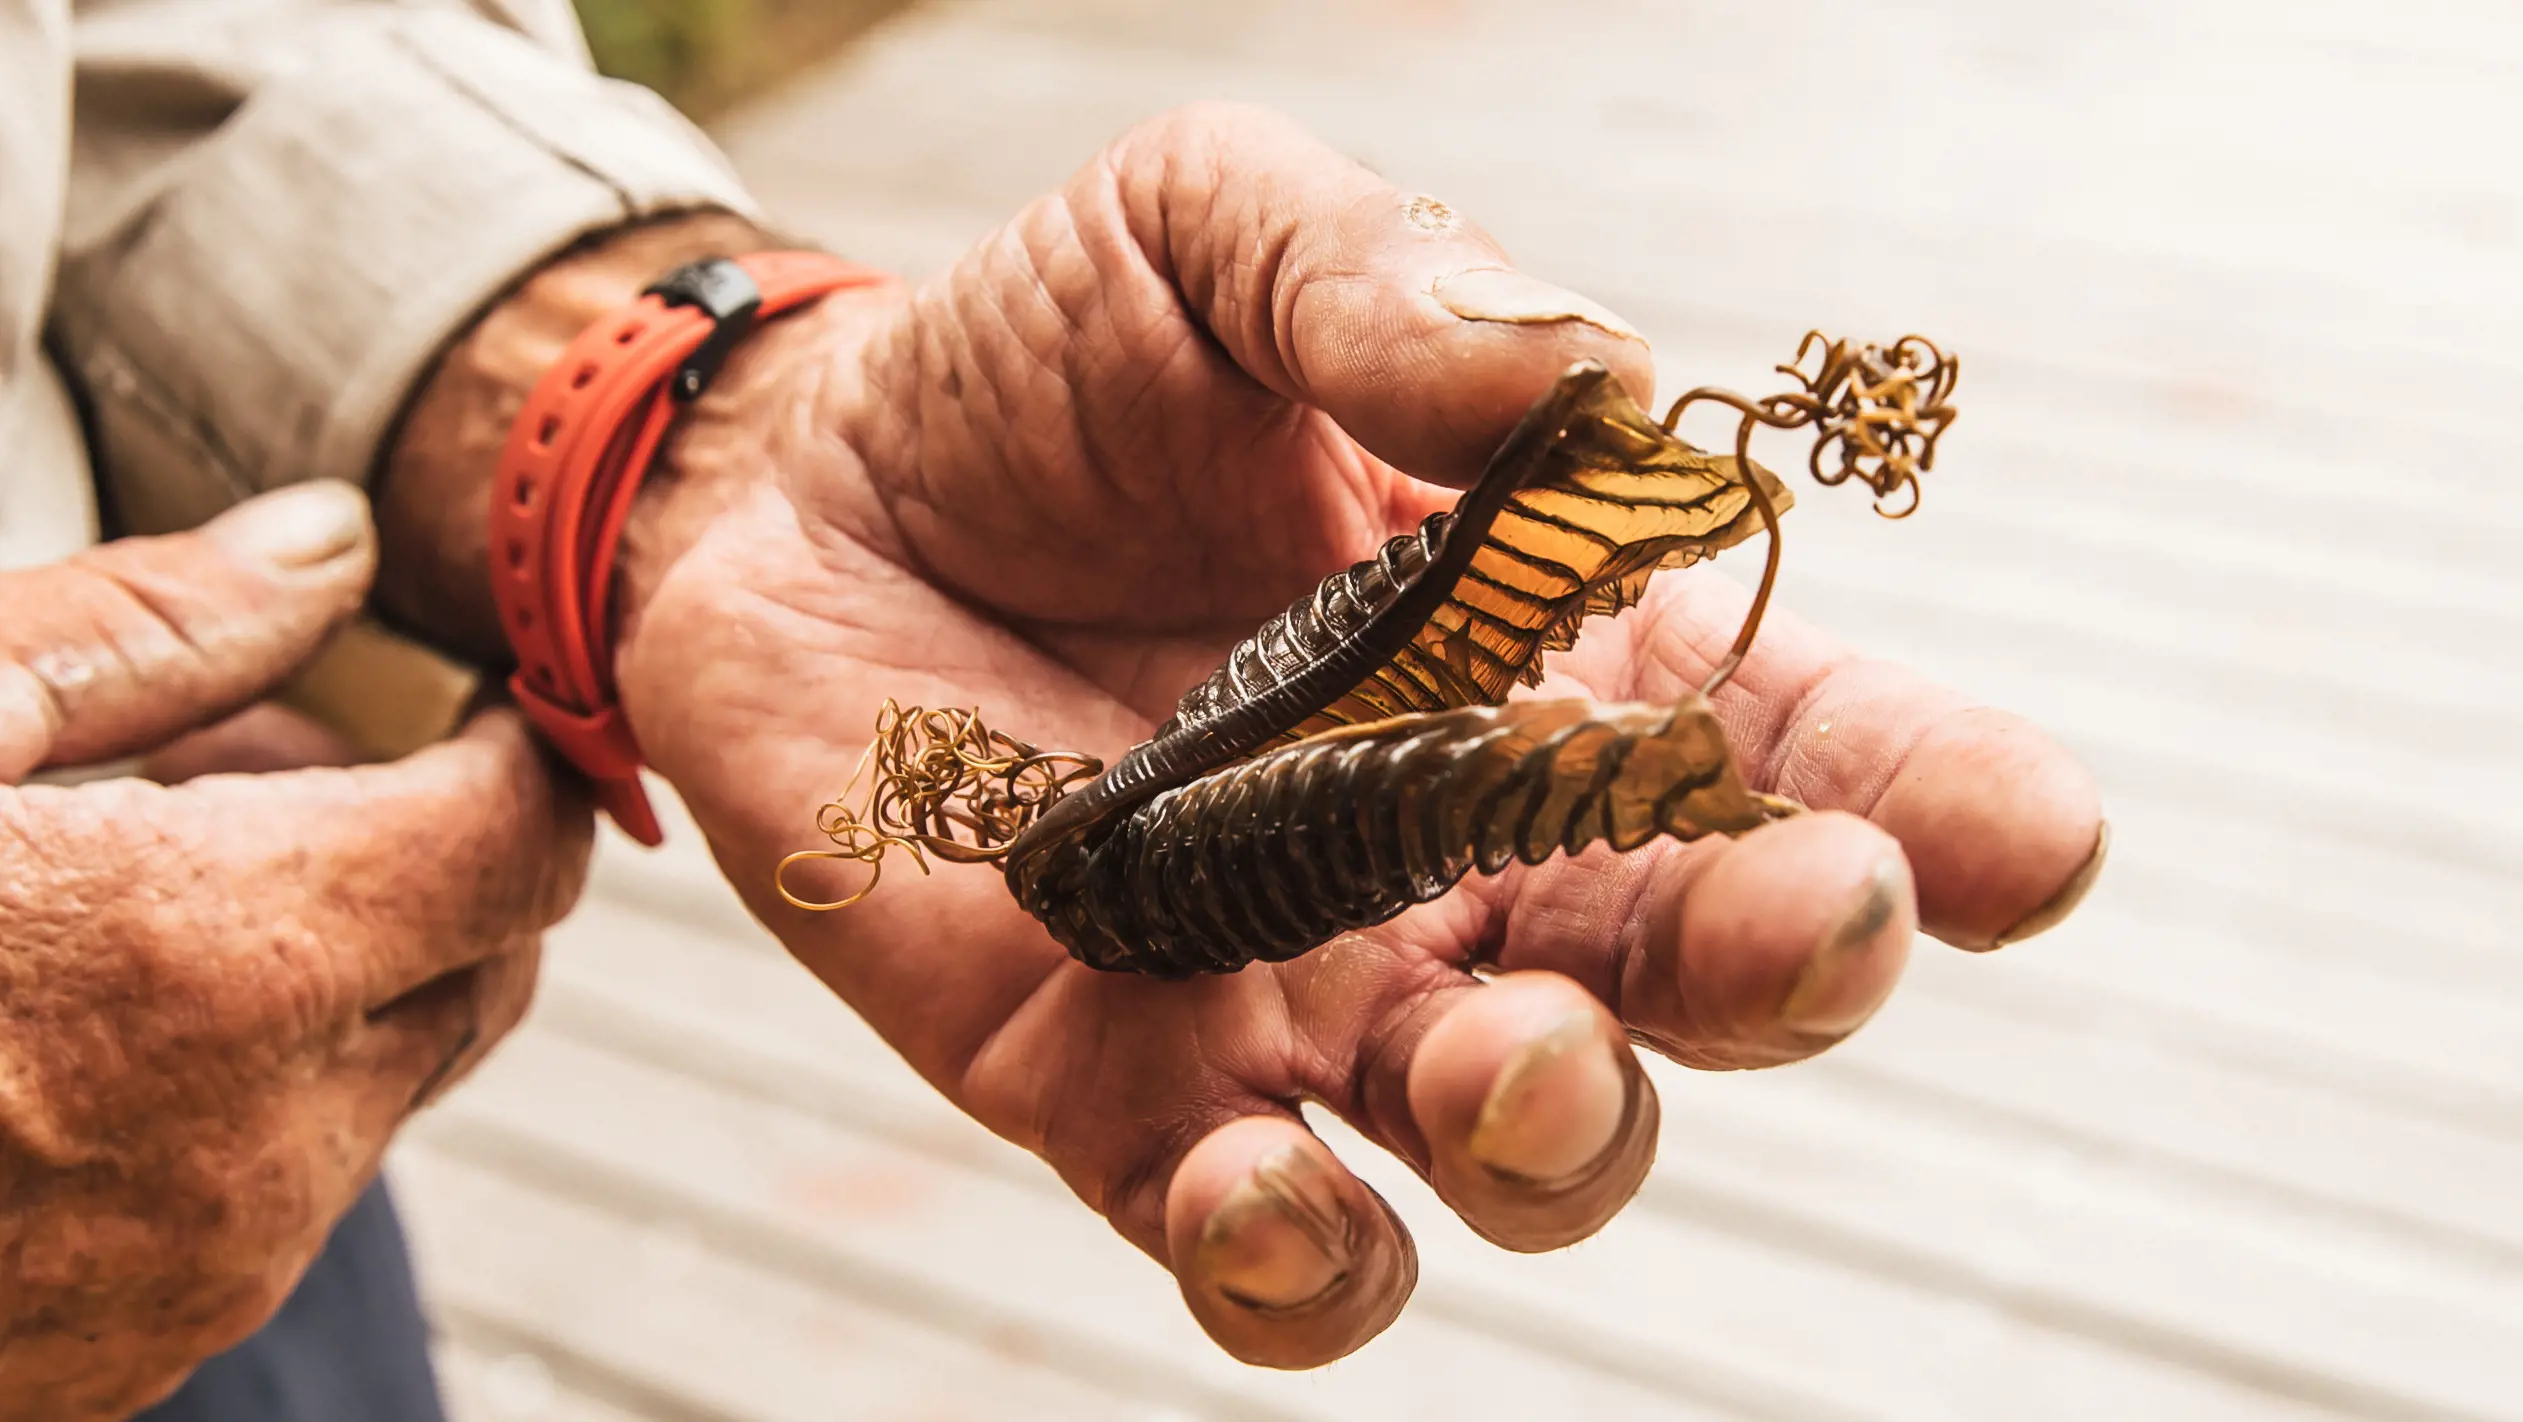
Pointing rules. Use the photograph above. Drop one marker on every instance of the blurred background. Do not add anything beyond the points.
(2231, 507)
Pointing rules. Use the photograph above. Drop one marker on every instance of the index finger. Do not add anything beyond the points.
(1387, 310)
(2003, 828)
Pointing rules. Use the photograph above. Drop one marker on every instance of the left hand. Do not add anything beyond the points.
(222, 995)
(1057, 483)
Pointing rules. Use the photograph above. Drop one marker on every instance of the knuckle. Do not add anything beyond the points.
(1197, 137)
(100, 628)
(137, 608)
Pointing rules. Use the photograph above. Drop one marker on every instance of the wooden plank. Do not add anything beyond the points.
(485, 1378)
(656, 995)
(1594, 210)
(844, 1215)
(1721, 1311)
(631, 1308)
(2229, 511)
(2114, 1071)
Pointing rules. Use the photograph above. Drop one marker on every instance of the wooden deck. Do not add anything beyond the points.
(2231, 507)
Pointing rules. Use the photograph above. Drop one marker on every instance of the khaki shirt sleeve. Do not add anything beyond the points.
(281, 211)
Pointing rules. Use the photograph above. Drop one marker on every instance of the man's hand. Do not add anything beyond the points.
(219, 999)
(1058, 483)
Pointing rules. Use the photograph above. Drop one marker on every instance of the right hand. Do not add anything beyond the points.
(220, 999)
(1058, 482)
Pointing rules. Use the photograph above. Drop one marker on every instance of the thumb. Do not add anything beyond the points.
(1388, 311)
(123, 646)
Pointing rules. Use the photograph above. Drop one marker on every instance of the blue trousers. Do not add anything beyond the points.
(349, 1346)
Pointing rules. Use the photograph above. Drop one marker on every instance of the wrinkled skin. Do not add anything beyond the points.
(219, 998)
(1057, 483)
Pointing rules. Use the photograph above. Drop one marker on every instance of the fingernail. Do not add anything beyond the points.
(1281, 1238)
(1509, 296)
(1831, 998)
(1556, 1106)
(2064, 902)
(295, 528)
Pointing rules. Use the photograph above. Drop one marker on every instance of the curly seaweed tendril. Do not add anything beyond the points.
(944, 784)
(1881, 407)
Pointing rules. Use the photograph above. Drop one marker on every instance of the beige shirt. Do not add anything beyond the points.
(236, 232)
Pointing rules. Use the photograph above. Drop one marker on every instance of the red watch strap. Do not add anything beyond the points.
(572, 466)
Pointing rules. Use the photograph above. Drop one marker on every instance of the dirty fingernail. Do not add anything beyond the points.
(1556, 1106)
(2064, 902)
(1509, 296)
(295, 528)
(1833, 995)
(1281, 1239)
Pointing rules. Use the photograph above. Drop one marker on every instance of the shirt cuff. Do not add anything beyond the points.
(262, 318)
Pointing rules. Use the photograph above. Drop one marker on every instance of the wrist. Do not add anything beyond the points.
(772, 413)
(433, 492)
(573, 469)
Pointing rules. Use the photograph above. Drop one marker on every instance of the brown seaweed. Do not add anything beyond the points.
(1358, 754)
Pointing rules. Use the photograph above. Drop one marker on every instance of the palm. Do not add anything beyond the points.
(1057, 484)
(1069, 586)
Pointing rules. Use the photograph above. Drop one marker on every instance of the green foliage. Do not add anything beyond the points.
(672, 46)
(704, 54)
